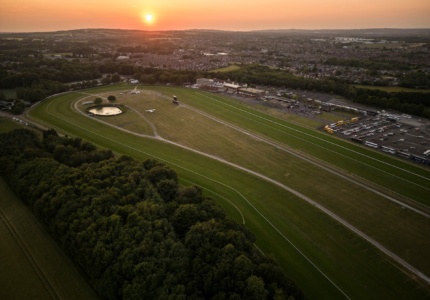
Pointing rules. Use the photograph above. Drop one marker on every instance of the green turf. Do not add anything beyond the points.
(32, 265)
(7, 124)
(328, 245)
(227, 69)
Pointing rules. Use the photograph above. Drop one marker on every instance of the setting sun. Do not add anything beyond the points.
(148, 18)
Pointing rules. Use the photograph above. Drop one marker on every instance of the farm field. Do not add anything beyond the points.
(32, 265)
(254, 157)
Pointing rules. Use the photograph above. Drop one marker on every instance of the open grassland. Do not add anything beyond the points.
(32, 265)
(227, 69)
(6, 124)
(326, 259)
(391, 89)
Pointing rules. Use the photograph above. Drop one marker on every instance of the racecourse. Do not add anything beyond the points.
(327, 259)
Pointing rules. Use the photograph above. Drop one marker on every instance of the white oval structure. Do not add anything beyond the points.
(106, 111)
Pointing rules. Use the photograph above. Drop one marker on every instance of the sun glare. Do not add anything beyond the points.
(148, 18)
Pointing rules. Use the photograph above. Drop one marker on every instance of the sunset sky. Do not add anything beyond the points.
(51, 15)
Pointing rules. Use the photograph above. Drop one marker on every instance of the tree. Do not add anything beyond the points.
(106, 80)
(98, 101)
(255, 288)
(18, 107)
(115, 78)
(34, 94)
(111, 99)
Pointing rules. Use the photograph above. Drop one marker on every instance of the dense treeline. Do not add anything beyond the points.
(155, 46)
(34, 84)
(135, 232)
(371, 64)
(412, 103)
(417, 79)
(262, 75)
(34, 79)
(32, 71)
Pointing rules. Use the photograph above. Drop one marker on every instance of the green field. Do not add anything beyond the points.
(391, 89)
(32, 265)
(226, 69)
(9, 93)
(6, 124)
(325, 258)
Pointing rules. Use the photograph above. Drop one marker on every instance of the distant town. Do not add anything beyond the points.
(341, 62)
(379, 57)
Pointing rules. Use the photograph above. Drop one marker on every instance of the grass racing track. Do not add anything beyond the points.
(325, 258)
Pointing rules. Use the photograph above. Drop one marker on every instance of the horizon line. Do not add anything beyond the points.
(222, 30)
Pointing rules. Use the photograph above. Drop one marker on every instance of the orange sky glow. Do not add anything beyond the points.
(50, 15)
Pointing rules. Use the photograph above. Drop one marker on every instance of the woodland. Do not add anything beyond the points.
(132, 229)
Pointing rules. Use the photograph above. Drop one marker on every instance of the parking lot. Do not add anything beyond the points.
(395, 134)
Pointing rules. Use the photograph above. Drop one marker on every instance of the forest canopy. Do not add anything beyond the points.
(133, 230)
